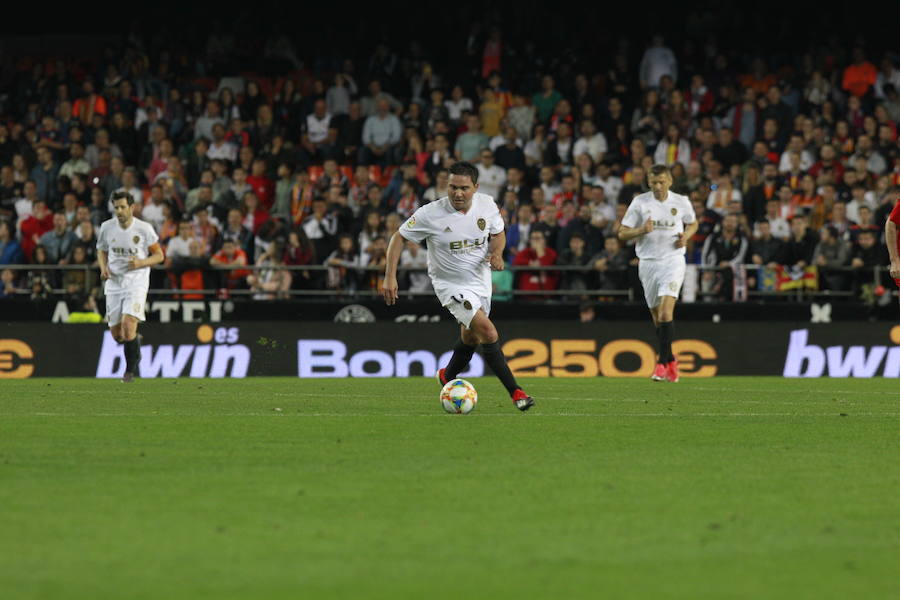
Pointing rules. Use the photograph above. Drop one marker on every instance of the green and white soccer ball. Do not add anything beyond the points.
(459, 397)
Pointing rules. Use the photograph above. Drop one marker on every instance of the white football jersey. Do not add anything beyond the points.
(457, 243)
(669, 218)
(121, 245)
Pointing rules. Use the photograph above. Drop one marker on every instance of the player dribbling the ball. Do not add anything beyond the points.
(126, 249)
(466, 238)
(663, 222)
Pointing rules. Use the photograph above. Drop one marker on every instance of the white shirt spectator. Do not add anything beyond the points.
(595, 145)
(224, 150)
(490, 180)
(657, 62)
(316, 128)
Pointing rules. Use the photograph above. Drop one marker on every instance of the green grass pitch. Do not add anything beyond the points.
(288, 488)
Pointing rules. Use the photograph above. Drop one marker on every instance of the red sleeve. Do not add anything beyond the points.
(895, 214)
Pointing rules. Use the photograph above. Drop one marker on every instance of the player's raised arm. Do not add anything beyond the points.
(389, 289)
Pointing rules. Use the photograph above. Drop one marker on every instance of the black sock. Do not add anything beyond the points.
(132, 350)
(462, 354)
(493, 356)
(666, 331)
(658, 344)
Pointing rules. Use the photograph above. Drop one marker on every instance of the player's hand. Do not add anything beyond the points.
(680, 241)
(895, 270)
(104, 274)
(648, 225)
(496, 262)
(134, 263)
(389, 290)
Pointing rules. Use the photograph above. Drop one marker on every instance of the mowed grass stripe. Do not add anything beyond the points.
(585, 496)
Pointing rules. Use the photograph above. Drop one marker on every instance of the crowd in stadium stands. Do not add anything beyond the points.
(791, 165)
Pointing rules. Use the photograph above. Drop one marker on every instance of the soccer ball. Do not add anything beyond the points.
(459, 397)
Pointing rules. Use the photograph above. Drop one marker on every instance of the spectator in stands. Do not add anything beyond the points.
(273, 281)
(230, 255)
(801, 245)
(612, 265)
(76, 163)
(727, 250)
(220, 148)
(205, 124)
(559, 152)
(380, 137)
(10, 250)
(35, 225)
(582, 223)
(58, 242)
(537, 254)
(831, 254)
(234, 230)
(673, 148)
(867, 254)
(254, 215)
(646, 120)
(766, 250)
(470, 144)
(546, 99)
(860, 76)
(8, 287)
(45, 174)
(373, 277)
(577, 254)
(343, 263)
(873, 162)
(658, 61)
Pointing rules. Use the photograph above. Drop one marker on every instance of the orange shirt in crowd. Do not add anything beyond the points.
(859, 78)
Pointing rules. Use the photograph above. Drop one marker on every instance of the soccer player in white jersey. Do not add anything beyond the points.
(126, 249)
(663, 222)
(466, 239)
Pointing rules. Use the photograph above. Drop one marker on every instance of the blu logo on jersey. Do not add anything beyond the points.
(465, 245)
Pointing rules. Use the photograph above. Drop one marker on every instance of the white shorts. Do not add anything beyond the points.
(661, 278)
(463, 304)
(126, 302)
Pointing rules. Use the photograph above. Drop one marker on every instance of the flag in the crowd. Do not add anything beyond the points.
(783, 278)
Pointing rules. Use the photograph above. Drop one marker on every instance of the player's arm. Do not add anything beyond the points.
(689, 231)
(890, 238)
(496, 246)
(156, 257)
(102, 260)
(629, 233)
(389, 288)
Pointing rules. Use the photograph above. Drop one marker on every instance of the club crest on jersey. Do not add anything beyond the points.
(467, 305)
(674, 211)
(135, 239)
(411, 222)
(481, 223)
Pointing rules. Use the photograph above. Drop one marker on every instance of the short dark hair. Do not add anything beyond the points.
(465, 169)
(123, 195)
(659, 169)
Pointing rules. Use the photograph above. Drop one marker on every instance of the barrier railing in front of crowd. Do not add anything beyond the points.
(799, 291)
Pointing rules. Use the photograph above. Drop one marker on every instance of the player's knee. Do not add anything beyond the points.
(486, 332)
